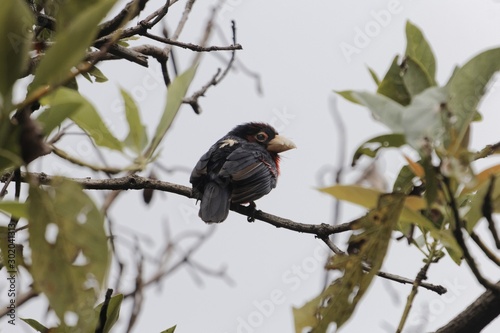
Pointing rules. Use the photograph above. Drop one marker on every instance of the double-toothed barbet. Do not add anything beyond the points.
(241, 167)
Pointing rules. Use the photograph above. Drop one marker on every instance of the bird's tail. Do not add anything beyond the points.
(215, 202)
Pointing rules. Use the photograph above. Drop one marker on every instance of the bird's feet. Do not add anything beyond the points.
(253, 207)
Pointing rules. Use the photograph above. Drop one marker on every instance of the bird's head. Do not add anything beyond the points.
(264, 135)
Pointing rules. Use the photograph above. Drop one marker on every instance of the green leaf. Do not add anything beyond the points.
(446, 238)
(14, 208)
(176, 92)
(70, 102)
(348, 95)
(404, 181)
(419, 50)
(11, 252)
(112, 313)
(53, 116)
(169, 330)
(10, 150)
(339, 300)
(371, 147)
(69, 249)
(374, 76)
(35, 324)
(383, 109)
(71, 44)
(468, 85)
(15, 37)
(422, 120)
(476, 202)
(97, 74)
(431, 181)
(393, 86)
(137, 137)
(415, 78)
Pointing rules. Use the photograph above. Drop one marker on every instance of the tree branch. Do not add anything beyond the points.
(131, 10)
(476, 316)
(134, 182)
(393, 277)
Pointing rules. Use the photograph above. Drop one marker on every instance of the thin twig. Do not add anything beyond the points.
(493, 257)
(422, 275)
(181, 24)
(458, 234)
(3, 192)
(487, 210)
(64, 155)
(163, 273)
(156, 16)
(216, 79)
(191, 46)
(393, 277)
(487, 151)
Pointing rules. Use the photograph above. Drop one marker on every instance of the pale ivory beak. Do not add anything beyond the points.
(280, 144)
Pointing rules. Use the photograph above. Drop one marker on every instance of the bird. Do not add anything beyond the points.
(239, 168)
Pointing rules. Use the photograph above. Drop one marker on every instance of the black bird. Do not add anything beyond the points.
(241, 167)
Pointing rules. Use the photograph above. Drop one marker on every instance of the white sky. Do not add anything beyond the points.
(295, 47)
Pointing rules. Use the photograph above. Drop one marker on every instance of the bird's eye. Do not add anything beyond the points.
(261, 137)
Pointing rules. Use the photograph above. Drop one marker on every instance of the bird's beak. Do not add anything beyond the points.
(280, 144)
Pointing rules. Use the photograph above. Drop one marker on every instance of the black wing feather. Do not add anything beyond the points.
(252, 172)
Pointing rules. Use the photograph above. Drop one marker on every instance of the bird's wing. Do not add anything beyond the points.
(252, 172)
(211, 163)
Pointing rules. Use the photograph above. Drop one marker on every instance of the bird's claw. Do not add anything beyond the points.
(253, 207)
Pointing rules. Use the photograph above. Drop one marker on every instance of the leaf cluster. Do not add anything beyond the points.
(70, 251)
(440, 194)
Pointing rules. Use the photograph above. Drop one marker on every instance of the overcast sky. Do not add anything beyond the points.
(302, 50)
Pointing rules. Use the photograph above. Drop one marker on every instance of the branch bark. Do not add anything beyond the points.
(135, 182)
(476, 316)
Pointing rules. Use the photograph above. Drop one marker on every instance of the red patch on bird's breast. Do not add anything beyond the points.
(276, 159)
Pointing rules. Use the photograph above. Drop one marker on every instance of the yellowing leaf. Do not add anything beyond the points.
(14, 208)
(348, 95)
(368, 198)
(338, 301)
(169, 330)
(482, 178)
(69, 249)
(416, 168)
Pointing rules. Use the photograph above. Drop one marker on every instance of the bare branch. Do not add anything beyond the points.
(131, 10)
(134, 182)
(393, 277)
(191, 46)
